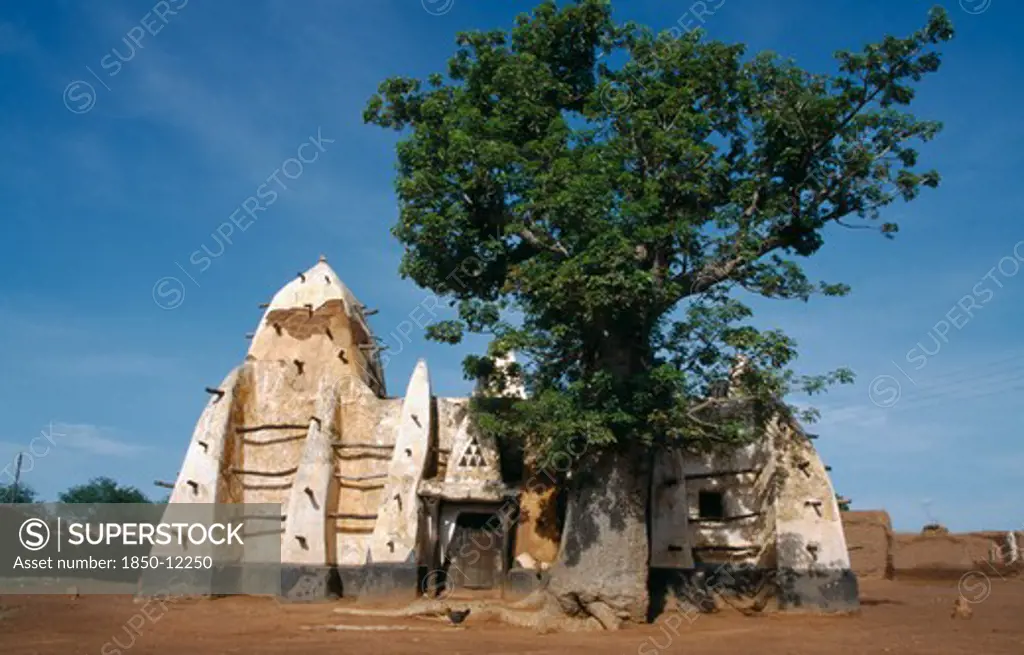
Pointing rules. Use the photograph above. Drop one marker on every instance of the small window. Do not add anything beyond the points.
(711, 505)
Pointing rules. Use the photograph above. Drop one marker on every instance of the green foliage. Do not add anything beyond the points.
(624, 212)
(22, 494)
(102, 490)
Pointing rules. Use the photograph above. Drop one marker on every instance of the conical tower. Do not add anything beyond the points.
(315, 321)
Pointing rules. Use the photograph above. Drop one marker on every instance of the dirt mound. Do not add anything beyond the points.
(869, 538)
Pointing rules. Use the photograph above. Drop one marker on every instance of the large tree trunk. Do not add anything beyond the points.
(601, 569)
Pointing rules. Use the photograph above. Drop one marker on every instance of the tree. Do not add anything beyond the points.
(621, 214)
(21, 494)
(102, 490)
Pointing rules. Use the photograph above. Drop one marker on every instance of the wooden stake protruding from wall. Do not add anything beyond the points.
(299, 364)
(215, 392)
(812, 548)
(312, 497)
(302, 276)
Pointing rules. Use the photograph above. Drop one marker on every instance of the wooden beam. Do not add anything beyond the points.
(722, 474)
(360, 478)
(276, 440)
(726, 519)
(337, 444)
(262, 517)
(267, 487)
(361, 487)
(271, 426)
(263, 533)
(269, 474)
(376, 455)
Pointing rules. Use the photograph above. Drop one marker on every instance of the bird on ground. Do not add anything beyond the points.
(457, 616)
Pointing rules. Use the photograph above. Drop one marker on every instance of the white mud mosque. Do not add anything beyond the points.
(390, 495)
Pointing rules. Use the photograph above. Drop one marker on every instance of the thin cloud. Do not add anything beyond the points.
(94, 440)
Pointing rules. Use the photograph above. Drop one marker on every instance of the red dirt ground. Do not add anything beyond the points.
(896, 617)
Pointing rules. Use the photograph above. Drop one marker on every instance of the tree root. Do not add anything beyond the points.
(539, 611)
(605, 615)
(535, 601)
(417, 608)
(748, 606)
(341, 627)
(542, 612)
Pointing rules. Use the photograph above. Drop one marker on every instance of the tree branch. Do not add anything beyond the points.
(535, 241)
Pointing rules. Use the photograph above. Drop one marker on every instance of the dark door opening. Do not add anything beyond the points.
(475, 551)
(711, 505)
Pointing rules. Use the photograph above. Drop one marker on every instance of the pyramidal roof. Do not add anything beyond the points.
(315, 287)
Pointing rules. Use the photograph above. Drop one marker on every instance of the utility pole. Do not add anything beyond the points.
(17, 478)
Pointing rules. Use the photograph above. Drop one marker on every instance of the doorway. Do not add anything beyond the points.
(475, 551)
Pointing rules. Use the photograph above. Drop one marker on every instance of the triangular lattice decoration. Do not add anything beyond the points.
(473, 457)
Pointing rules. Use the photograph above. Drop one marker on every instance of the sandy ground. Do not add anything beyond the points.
(896, 617)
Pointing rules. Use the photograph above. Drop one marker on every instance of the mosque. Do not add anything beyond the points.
(399, 495)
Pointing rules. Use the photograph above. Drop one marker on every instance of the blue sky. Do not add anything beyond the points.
(106, 198)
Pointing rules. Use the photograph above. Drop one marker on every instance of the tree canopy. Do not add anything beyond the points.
(606, 200)
(617, 192)
(102, 490)
(9, 494)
